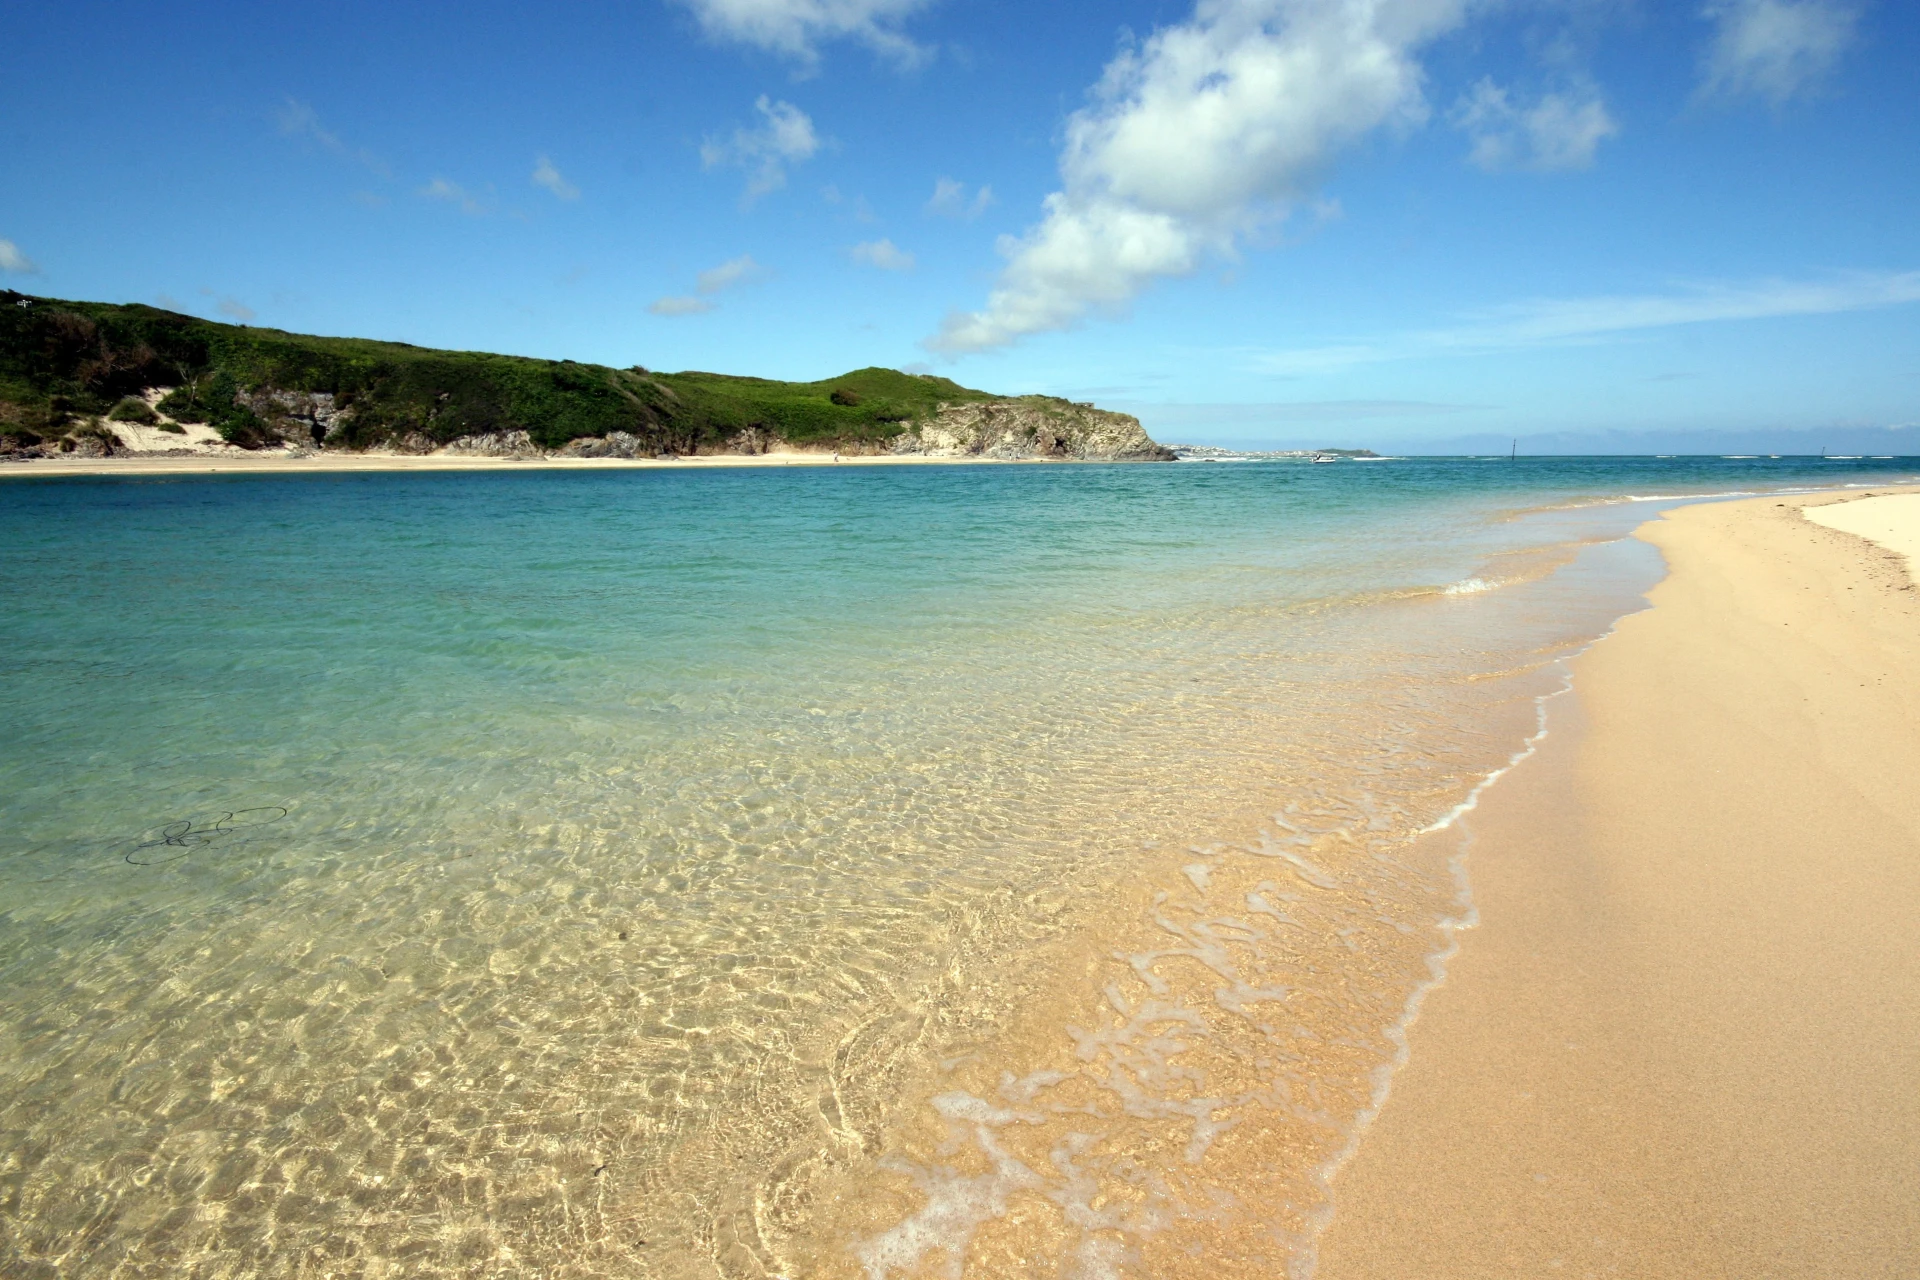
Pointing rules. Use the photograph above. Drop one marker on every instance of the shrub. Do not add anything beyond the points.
(171, 428)
(845, 395)
(182, 405)
(134, 410)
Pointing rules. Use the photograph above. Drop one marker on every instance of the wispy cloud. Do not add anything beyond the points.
(797, 28)
(734, 271)
(298, 119)
(681, 306)
(1556, 321)
(883, 254)
(950, 200)
(545, 175)
(785, 138)
(455, 194)
(11, 259)
(234, 309)
(858, 207)
(1775, 49)
(1555, 131)
(731, 274)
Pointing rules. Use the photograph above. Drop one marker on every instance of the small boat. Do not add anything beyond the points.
(1325, 457)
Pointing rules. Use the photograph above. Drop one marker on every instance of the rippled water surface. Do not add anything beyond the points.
(980, 871)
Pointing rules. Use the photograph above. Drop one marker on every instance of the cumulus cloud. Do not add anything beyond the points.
(740, 270)
(883, 254)
(1544, 322)
(455, 194)
(950, 200)
(298, 119)
(684, 306)
(797, 28)
(1198, 136)
(545, 175)
(1556, 131)
(785, 138)
(11, 259)
(1775, 49)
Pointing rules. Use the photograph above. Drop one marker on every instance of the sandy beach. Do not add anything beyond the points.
(277, 463)
(1684, 1039)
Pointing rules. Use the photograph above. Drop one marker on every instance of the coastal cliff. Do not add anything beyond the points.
(94, 379)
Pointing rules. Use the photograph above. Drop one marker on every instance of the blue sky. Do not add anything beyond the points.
(1280, 222)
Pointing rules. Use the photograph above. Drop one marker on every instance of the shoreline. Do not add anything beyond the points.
(316, 463)
(1669, 1046)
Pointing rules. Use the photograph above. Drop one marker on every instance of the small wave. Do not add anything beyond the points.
(1468, 587)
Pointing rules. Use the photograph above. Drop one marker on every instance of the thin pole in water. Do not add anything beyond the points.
(1515, 451)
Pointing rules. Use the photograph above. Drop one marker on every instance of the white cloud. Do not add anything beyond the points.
(1558, 131)
(796, 28)
(883, 254)
(729, 274)
(1545, 322)
(234, 309)
(679, 306)
(11, 259)
(786, 138)
(1775, 48)
(298, 119)
(740, 270)
(455, 194)
(950, 200)
(1204, 132)
(545, 175)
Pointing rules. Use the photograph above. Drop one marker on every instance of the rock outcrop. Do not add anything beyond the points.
(301, 419)
(494, 444)
(1030, 427)
(1027, 428)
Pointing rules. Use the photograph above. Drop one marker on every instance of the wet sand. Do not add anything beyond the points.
(1684, 1040)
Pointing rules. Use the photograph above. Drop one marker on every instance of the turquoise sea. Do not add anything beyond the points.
(865, 871)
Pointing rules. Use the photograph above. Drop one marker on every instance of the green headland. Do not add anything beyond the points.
(81, 375)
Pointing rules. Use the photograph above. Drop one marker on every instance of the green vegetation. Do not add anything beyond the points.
(63, 364)
(134, 409)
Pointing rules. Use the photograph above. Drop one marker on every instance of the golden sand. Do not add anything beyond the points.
(1685, 1039)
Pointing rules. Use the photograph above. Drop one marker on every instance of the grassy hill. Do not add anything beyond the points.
(66, 365)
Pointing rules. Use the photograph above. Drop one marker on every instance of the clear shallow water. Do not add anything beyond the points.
(877, 871)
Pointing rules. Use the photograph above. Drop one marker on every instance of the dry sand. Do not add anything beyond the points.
(1892, 522)
(1684, 1040)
